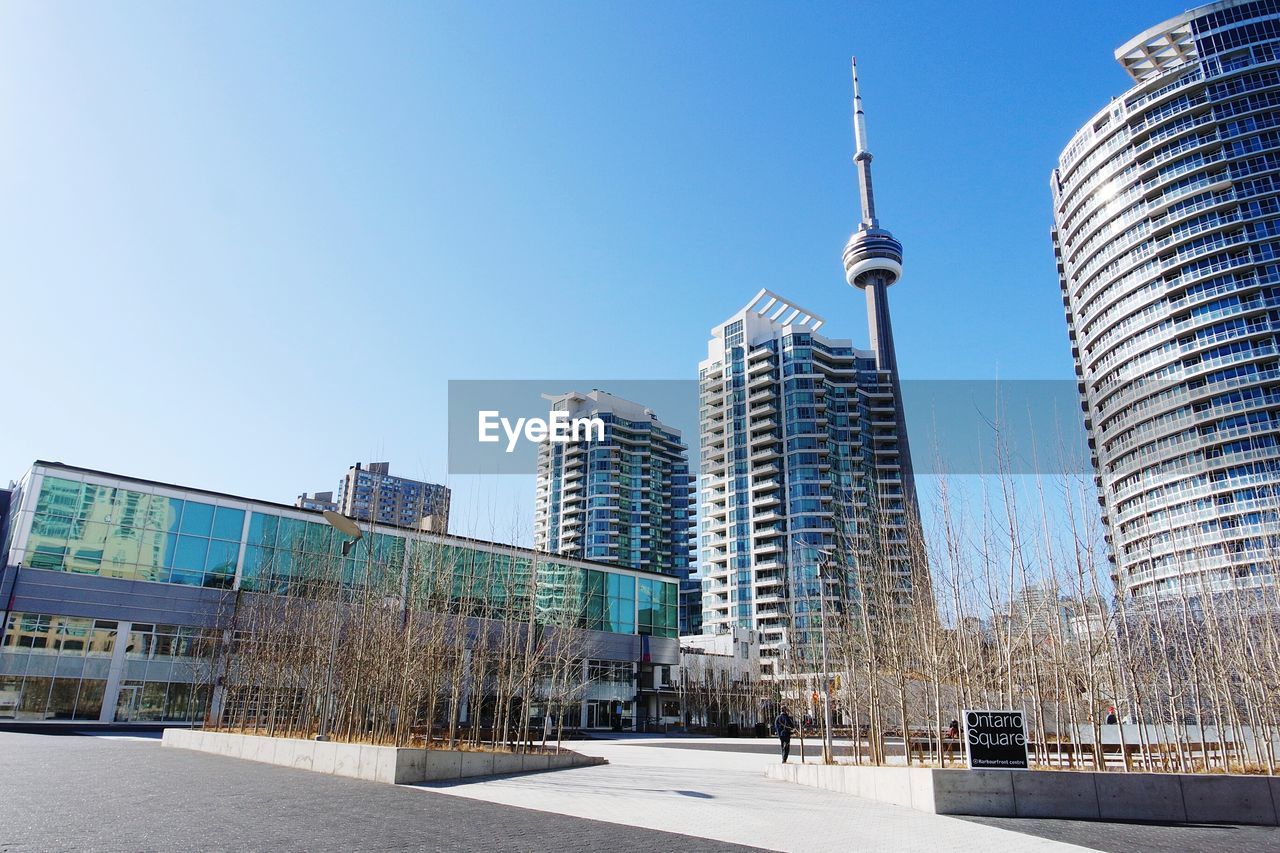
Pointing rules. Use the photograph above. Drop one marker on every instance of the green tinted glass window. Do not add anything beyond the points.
(595, 612)
(316, 538)
(133, 509)
(262, 529)
(46, 557)
(59, 497)
(123, 546)
(290, 533)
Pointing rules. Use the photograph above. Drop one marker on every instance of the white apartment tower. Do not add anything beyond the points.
(1167, 234)
(800, 454)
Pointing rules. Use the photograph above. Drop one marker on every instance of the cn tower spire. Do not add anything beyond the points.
(861, 155)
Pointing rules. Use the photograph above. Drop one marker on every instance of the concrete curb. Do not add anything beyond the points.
(395, 765)
(1080, 795)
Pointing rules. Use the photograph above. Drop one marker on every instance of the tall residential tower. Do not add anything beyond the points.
(1167, 233)
(800, 453)
(623, 500)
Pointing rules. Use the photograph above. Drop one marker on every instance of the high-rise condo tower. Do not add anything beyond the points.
(1166, 208)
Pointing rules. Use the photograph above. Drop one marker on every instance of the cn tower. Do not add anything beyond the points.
(872, 262)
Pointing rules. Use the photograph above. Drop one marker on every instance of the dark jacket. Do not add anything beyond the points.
(784, 725)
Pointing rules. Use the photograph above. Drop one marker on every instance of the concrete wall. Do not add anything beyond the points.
(1179, 798)
(375, 763)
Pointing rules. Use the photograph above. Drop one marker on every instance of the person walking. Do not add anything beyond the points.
(949, 738)
(783, 726)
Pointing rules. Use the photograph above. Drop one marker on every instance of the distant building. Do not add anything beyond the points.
(623, 500)
(1090, 620)
(717, 681)
(1038, 610)
(372, 493)
(1041, 611)
(319, 501)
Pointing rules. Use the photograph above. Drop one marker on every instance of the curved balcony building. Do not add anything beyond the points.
(1167, 237)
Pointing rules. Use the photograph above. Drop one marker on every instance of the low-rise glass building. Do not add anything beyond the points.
(111, 585)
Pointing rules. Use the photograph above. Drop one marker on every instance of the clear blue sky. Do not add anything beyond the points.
(243, 245)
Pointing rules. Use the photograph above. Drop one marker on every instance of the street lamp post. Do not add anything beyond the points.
(348, 527)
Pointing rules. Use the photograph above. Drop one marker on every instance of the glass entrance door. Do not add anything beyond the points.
(598, 713)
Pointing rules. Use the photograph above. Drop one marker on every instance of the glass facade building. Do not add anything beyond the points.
(1167, 237)
(116, 590)
(800, 453)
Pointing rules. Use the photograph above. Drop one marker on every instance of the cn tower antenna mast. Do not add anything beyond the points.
(861, 155)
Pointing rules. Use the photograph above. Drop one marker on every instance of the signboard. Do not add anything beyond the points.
(995, 740)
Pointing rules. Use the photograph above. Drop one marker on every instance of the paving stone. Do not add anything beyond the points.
(103, 794)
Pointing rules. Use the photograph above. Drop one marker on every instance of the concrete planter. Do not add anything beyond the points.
(396, 765)
(1172, 797)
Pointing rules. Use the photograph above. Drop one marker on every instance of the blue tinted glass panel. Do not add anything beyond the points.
(222, 556)
(289, 536)
(254, 557)
(615, 618)
(281, 563)
(189, 558)
(170, 549)
(197, 519)
(228, 523)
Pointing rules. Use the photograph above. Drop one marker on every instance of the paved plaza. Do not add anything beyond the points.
(117, 793)
(106, 794)
(715, 788)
